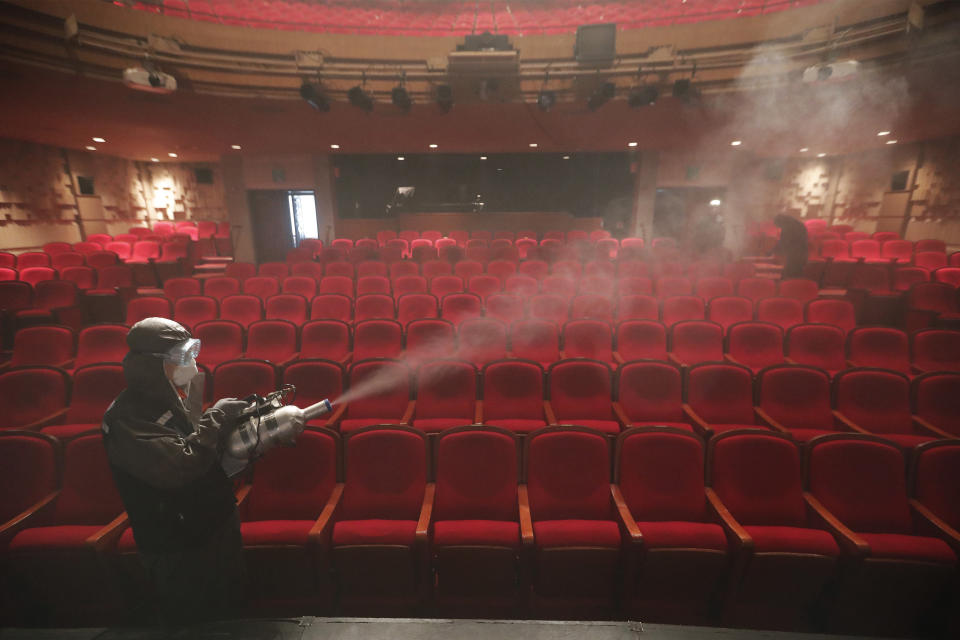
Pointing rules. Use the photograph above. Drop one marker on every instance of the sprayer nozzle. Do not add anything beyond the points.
(318, 409)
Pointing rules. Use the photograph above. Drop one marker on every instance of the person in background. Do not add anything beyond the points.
(164, 453)
(792, 245)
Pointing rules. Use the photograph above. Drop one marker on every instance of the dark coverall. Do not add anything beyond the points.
(792, 245)
(180, 503)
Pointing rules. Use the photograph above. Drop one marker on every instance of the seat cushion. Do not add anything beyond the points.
(126, 543)
(676, 425)
(347, 426)
(603, 426)
(318, 422)
(69, 431)
(496, 533)
(517, 426)
(436, 425)
(805, 435)
(792, 540)
(576, 533)
(59, 537)
(906, 440)
(722, 428)
(351, 532)
(912, 548)
(682, 535)
(276, 532)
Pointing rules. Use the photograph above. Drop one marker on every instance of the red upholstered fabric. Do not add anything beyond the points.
(549, 307)
(878, 401)
(796, 397)
(588, 339)
(53, 537)
(42, 345)
(517, 425)
(192, 310)
(459, 307)
(273, 269)
(444, 285)
(497, 533)
(668, 286)
(576, 533)
(637, 307)
(783, 311)
(102, 343)
(729, 310)
(390, 402)
(568, 476)
(651, 392)
(374, 531)
(30, 472)
(862, 483)
(882, 347)
(336, 284)
(661, 476)
(534, 268)
(634, 286)
(677, 309)
(329, 339)
(641, 340)
(261, 286)
(696, 341)
(592, 306)
(305, 286)
(287, 306)
(757, 288)
(758, 477)
(315, 380)
(937, 482)
(911, 548)
(147, 307)
(220, 340)
(403, 285)
(377, 339)
(434, 268)
(778, 539)
(31, 393)
(610, 427)
(242, 309)
(275, 532)
(482, 340)
(272, 340)
(371, 268)
(94, 388)
(241, 378)
(446, 389)
(88, 495)
(670, 534)
(385, 476)
(512, 390)
(175, 288)
(721, 393)
(580, 390)
(476, 476)
(908, 440)
(403, 268)
(521, 285)
(416, 306)
(817, 345)
(430, 338)
(535, 340)
(936, 350)
(755, 344)
(839, 313)
(219, 287)
(801, 289)
(466, 269)
(484, 285)
(713, 286)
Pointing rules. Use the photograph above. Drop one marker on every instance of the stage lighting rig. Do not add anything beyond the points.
(684, 91)
(546, 100)
(643, 96)
(601, 95)
(314, 96)
(401, 99)
(360, 98)
(444, 97)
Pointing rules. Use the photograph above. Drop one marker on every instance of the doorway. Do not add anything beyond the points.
(281, 220)
(691, 215)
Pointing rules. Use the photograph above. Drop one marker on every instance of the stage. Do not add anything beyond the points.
(309, 628)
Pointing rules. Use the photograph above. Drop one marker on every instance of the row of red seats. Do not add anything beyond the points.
(143, 251)
(746, 530)
(709, 397)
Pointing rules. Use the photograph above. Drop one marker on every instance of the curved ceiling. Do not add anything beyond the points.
(457, 17)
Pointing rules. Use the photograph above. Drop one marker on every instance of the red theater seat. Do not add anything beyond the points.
(536, 340)
(305, 286)
(482, 340)
(936, 403)
(387, 403)
(677, 309)
(272, 340)
(588, 339)
(316, 380)
(30, 474)
(719, 397)
(879, 347)
(94, 388)
(505, 307)
(278, 270)
(640, 340)
(404, 268)
(576, 534)
(33, 397)
(564, 286)
(930, 303)
(929, 260)
(430, 338)
(502, 269)
(49, 345)
(551, 308)
(372, 268)
(757, 288)
(580, 392)
(241, 378)
(839, 313)
(409, 284)
(785, 312)
(379, 539)
(341, 285)
(637, 307)
(755, 344)
(650, 394)
(936, 350)
(261, 286)
(537, 269)
(328, 339)
(147, 307)
(712, 287)
(287, 306)
(521, 285)
(696, 341)
(220, 340)
(220, 287)
(101, 343)
(795, 400)
(331, 306)
(634, 285)
(459, 307)
(416, 306)
(816, 345)
(175, 288)
(377, 339)
(434, 268)
(512, 396)
(484, 286)
(729, 310)
(935, 483)
(684, 553)
(243, 309)
(589, 306)
(192, 310)
(668, 286)
(446, 395)
(788, 557)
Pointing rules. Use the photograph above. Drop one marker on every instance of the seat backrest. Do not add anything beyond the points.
(861, 481)
(785, 312)
(261, 286)
(536, 340)
(682, 308)
(755, 344)
(936, 399)
(650, 391)
(336, 284)
(592, 306)
(241, 378)
(501, 269)
(175, 288)
(695, 341)
(339, 268)
(88, 495)
(305, 286)
(905, 277)
(315, 379)
(634, 285)
(521, 285)
(192, 310)
(36, 275)
(372, 268)
(881, 347)
(272, 340)
(713, 286)
(446, 389)
(101, 343)
(385, 474)
(637, 307)
(875, 399)
(147, 307)
(404, 268)
(568, 474)
(95, 386)
(377, 339)
(864, 248)
(537, 269)
(484, 285)
(374, 306)
(839, 313)
(929, 260)
(720, 393)
(641, 340)
(391, 381)
(482, 340)
(31, 259)
(932, 296)
(445, 285)
(936, 480)
(729, 310)
(466, 269)
(457, 307)
(328, 339)
(797, 397)
(759, 477)
(220, 287)
(549, 307)
(580, 389)
(331, 306)
(588, 339)
(404, 285)
(816, 345)
(936, 350)
(757, 288)
(244, 309)
(900, 249)
(505, 307)
(667, 286)
(220, 340)
(660, 473)
(513, 389)
(30, 470)
(416, 306)
(434, 268)
(930, 244)
(43, 345)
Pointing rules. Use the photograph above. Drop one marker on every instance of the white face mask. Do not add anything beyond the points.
(182, 375)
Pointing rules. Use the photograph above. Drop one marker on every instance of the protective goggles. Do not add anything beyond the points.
(183, 352)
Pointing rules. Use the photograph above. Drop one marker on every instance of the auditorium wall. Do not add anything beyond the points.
(41, 200)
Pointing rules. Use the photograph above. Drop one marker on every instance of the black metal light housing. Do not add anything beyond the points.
(401, 99)
(601, 95)
(546, 100)
(444, 97)
(643, 96)
(360, 98)
(314, 96)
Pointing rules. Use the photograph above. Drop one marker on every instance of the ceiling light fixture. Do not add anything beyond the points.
(566, 157)
(715, 202)
(546, 100)
(483, 157)
(631, 144)
(883, 133)
(401, 99)
(360, 98)
(154, 159)
(643, 96)
(172, 155)
(804, 150)
(736, 143)
(891, 142)
(235, 147)
(90, 147)
(313, 95)
(334, 146)
(401, 158)
(601, 95)
(433, 145)
(532, 145)
(821, 155)
(99, 139)
(444, 97)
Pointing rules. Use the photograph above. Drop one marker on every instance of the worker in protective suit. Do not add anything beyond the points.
(165, 456)
(792, 245)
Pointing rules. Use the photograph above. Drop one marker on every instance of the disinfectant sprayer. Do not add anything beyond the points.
(266, 423)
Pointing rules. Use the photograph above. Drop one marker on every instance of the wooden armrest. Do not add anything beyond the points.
(563, 354)
(526, 521)
(733, 528)
(848, 423)
(621, 415)
(790, 360)
(926, 426)
(675, 360)
(426, 512)
(848, 538)
(770, 422)
(851, 363)
(46, 421)
(548, 412)
(346, 359)
(408, 414)
(20, 521)
(949, 535)
(618, 358)
(730, 358)
(242, 493)
(320, 531)
(337, 414)
(478, 412)
(698, 423)
(626, 518)
(108, 536)
(66, 364)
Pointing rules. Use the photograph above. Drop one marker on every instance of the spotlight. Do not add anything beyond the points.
(601, 95)
(360, 98)
(879, 133)
(154, 159)
(401, 99)
(684, 91)
(314, 97)
(99, 139)
(643, 96)
(546, 100)
(445, 97)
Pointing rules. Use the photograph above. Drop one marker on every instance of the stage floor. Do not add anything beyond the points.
(417, 629)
